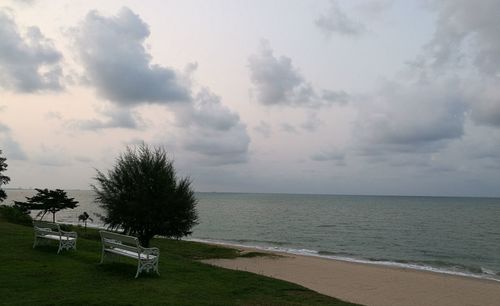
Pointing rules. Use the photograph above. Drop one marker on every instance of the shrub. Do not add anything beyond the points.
(143, 196)
(16, 214)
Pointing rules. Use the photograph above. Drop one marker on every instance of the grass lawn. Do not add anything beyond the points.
(41, 277)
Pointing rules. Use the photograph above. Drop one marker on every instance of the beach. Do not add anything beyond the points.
(369, 284)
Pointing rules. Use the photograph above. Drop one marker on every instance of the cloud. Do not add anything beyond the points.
(263, 128)
(115, 118)
(118, 65)
(52, 157)
(485, 103)
(212, 131)
(328, 156)
(312, 122)
(455, 78)
(416, 117)
(374, 8)
(286, 127)
(336, 21)
(338, 97)
(4, 128)
(278, 82)
(465, 36)
(467, 44)
(30, 62)
(11, 148)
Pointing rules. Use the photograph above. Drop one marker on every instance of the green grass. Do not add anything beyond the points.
(41, 277)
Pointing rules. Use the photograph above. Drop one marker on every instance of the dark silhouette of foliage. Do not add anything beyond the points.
(84, 218)
(16, 214)
(48, 201)
(4, 180)
(142, 196)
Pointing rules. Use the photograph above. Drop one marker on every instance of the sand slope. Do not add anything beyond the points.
(370, 284)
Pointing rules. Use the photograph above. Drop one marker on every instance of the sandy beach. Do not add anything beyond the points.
(370, 284)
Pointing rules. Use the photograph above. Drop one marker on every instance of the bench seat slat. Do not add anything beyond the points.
(108, 244)
(129, 253)
(55, 237)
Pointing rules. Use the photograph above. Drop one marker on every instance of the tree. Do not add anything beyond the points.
(143, 196)
(85, 217)
(50, 201)
(4, 180)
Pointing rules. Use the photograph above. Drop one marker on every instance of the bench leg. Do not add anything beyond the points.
(156, 265)
(138, 268)
(66, 245)
(147, 266)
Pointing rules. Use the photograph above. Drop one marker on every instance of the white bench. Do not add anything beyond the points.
(46, 231)
(128, 246)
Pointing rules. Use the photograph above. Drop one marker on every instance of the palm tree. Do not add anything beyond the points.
(84, 217)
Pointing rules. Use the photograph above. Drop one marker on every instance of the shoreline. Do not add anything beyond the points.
(367, 284)
(381, 263)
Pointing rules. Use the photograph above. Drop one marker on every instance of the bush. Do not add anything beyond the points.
(143, 196)
(15, 214)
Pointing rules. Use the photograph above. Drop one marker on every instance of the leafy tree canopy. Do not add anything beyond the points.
(48, 201)
(143, 196)
(4, 180)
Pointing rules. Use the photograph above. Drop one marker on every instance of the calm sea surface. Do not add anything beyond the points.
(450, 235)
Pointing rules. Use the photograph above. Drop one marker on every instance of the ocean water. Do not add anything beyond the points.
(443, 234)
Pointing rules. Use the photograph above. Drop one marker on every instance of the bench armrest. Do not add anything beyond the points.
(69, 234)
(150, 251)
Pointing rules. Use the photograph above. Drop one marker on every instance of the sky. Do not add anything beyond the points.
(374, 97)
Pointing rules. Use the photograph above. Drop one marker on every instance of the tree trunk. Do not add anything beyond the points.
(53, 217)
(144, 239)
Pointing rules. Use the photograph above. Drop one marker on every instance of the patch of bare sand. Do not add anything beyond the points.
(370, 284)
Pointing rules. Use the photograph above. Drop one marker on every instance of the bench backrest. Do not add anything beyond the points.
(46, 225)
(114, 240)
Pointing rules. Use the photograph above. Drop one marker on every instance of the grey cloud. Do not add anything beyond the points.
(53, 115)
(286, 127)
(263, 128)
(374, 7)
(51, 156)
(213, 131)
(339, 97)
(115, 118)
(411, 118)
(485, 103)
(118, 65)
(83, 159)
(11, 148)
(4, 128)
(30, 62)
(278, 82)
(312, 122)
(465, 41)
(336, 21)
(335, 156)
(462, 24)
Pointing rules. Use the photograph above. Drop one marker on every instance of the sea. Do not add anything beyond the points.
(452, 235)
